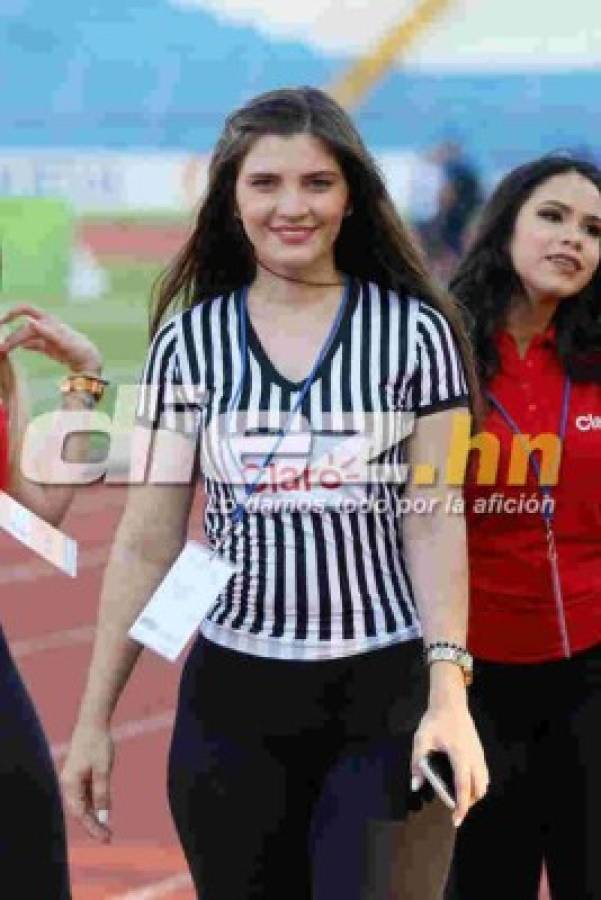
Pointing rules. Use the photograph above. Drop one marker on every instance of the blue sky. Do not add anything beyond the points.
(472, 35)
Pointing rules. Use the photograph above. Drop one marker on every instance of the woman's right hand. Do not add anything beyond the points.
(85, 779)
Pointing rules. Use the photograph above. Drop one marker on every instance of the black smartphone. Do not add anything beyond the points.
(437, 769)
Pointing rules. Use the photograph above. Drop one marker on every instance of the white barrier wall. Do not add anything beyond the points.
(104, 181)
(117, 182)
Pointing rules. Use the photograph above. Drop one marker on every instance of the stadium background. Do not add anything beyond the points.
(108, 111)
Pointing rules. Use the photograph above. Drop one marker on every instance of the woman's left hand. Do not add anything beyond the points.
(449, 727)
(46, 334)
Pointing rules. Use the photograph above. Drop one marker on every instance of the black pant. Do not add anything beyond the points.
(541, 730)
(279, 771)
(33, 849)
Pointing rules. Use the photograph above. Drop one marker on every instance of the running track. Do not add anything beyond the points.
(48, 618)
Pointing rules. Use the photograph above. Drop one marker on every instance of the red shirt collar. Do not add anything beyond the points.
(507, 347)
(548, 336)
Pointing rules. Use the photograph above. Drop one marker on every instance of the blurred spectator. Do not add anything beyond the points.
(459, 196)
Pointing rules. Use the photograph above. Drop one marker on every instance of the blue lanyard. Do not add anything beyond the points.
(249, 489)
(548, 514)
(515, 428)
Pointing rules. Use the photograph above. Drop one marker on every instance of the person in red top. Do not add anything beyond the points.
(532, 284)
(33, 850)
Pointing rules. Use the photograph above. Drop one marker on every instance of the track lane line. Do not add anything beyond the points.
(53, 640)
(157, 889)
(31, 571)
(127, 730)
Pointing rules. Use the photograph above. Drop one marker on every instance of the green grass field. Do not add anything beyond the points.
(117, 323)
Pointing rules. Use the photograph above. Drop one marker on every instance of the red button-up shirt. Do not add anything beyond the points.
(513, 614)
(3, 448)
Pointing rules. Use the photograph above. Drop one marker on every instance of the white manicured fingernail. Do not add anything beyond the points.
(416, 782)
(103, 816)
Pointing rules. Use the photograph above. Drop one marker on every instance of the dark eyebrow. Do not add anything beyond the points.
(319, 174)
(563, 206)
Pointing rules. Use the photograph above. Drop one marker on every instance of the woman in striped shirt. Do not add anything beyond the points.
(307, 322)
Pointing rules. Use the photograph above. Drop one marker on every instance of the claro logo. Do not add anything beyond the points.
(588, 422)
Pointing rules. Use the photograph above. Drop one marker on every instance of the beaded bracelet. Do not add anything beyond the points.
(450, 644)
(448, 651)
(86, 382)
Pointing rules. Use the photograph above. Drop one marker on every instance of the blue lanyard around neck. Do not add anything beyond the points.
(548, 513)
(547, 509)
(242, 299)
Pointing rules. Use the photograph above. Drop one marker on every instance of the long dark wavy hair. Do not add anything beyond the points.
(373, 243)
(486, 282)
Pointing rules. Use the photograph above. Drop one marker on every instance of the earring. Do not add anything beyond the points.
(349, 212)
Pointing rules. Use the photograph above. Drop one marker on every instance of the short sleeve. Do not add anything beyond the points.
(439, 381)
(164, 401)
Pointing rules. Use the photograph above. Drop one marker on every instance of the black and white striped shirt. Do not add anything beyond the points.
(321, 572)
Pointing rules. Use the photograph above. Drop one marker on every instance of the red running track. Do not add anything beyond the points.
(145, 242)
(48, 618)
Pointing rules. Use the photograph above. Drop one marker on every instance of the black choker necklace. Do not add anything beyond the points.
(299, 280)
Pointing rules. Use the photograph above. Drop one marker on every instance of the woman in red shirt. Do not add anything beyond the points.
(532, 284)
(33, 852)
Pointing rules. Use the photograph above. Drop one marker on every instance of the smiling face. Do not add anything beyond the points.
(556, 239)
(292, 196)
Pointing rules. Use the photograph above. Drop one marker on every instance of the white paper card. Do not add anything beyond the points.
(38, 535)
(182, 600)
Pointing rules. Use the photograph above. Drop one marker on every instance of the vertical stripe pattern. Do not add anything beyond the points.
(321, 572)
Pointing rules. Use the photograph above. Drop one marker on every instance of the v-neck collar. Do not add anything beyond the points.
(258, 351)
